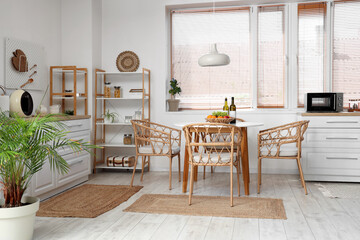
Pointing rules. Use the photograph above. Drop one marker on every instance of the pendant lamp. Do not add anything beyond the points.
(214, 58)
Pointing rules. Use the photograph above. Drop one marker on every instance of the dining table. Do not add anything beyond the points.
(244, 154)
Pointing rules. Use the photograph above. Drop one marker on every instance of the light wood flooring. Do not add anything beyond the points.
(309, 217)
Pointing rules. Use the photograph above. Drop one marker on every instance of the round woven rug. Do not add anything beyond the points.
(127, 61)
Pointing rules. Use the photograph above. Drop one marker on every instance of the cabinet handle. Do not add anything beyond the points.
(342, 122)
(343, 138)
(76, 162)
(349, 158)
(74, 125)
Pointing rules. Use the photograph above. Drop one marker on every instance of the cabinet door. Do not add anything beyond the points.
(43, 181)
(79, 167)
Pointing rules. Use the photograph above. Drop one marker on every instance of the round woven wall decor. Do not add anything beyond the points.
(127, 61)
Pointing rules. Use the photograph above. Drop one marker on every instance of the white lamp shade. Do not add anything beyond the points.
(214, 58)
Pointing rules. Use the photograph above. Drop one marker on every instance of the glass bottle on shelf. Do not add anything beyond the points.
(107, 90)
(117, 92)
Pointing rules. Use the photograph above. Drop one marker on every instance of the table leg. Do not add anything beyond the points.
(245, 160)
(186, 170)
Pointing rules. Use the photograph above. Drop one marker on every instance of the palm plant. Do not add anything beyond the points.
(25, 146)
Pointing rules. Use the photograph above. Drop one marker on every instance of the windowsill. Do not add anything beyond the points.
(242, 111)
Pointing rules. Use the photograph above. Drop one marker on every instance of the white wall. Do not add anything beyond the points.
(36, 21)
(142, 26)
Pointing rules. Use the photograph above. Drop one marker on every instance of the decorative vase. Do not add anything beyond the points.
(18, 222)
(173, 105)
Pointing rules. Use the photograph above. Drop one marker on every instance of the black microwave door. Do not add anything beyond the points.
(321, 102)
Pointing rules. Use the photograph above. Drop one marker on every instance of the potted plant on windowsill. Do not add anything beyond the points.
(174, 89)
(25, 146)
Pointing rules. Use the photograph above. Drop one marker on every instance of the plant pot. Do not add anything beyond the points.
(173, 105)
(107, 120)
(18, 222)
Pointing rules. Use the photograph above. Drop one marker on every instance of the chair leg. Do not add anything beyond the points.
(143, 158)
(179, 165)
(212, 169)
(191, 183)
(132, 178)
(238, 176)
(259, 175)
(204, 172)
(148, 163)
(231, 185)
(302, 176)
(170, 168)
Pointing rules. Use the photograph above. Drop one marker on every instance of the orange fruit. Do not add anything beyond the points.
(209, 116)
(220, 117)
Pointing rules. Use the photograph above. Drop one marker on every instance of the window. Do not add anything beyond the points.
(271, 60)
(311, 49)
(346, 49)
(327, 57)
(192, 33)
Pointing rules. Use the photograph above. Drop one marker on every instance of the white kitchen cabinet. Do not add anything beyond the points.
(46, 183)
(331, 148)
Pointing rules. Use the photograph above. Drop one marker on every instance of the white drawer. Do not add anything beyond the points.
(77, 125)
(79, 167)
(333, 122)
(83, 135)
(331, 162)
(340, 138)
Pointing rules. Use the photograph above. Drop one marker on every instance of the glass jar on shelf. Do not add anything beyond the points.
(138, 115)
(107, 90)
(127, 139)
(128, 119)
(117, 92)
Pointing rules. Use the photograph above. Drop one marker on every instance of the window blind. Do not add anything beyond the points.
(271, 56)
(311, 49)
(192, 34)
(346, 49)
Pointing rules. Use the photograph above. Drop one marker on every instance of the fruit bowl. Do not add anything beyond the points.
(219, 120)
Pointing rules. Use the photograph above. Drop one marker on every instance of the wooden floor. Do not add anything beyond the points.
(309, 217)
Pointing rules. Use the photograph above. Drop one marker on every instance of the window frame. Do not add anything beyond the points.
(291, 52)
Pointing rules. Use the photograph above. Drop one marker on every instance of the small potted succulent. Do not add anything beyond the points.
(174, 89)
(109, 117)
(25, 146)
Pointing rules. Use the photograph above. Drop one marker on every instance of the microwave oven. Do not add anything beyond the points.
(324, 102)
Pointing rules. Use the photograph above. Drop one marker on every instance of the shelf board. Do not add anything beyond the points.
(131, 98)
(69, 98)
(115, 145)
(104, 166)
(68, 71)
(122, 73)
(114, 124)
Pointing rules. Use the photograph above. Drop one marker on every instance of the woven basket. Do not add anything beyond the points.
(219, 120)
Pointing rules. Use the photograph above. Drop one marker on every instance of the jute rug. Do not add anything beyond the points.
(244, 207)
(86, 201)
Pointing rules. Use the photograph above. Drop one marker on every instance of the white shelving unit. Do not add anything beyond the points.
(110, 135)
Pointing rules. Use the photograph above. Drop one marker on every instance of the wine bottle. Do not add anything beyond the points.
(233, 110)
(226, 107)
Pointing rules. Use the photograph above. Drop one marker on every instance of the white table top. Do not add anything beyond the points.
(238, 124)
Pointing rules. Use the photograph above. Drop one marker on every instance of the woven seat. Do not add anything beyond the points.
(282, 142)
(159, 150)
(213, 158)
(152, 139)
(213, 144)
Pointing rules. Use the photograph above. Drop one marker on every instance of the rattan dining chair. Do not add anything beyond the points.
(152, 139)
(282, 142)
(213, 144)
(212, 168)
